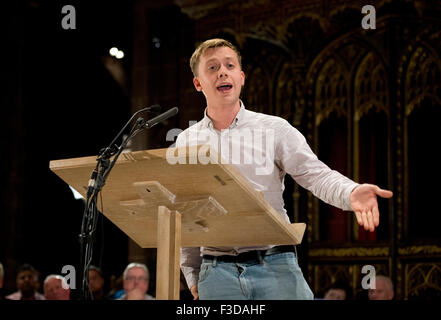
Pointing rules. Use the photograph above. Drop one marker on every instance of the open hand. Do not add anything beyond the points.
(365, 205)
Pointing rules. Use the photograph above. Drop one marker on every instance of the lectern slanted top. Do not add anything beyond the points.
(217, 204)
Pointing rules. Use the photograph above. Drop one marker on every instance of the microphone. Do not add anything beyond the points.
(108, 152)
(169, 113)
(153, 108)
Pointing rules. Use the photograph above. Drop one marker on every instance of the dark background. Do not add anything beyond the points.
(59, 102)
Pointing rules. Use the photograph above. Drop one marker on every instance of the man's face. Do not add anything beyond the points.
(96, 282)
(136, 279)
(53, 290)
(26, 281)
(381, 292)
(335, 294)
(219, 77)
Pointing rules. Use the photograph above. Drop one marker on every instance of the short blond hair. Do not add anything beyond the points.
(208, 44)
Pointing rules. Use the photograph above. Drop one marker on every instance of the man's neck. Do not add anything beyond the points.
(223, 115)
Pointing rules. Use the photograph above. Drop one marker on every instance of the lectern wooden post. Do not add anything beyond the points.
(173, 198)
(169, 246)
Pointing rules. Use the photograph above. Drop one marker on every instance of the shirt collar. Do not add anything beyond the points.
(237, 120)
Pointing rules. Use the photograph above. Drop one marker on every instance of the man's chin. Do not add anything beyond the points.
(228, 99)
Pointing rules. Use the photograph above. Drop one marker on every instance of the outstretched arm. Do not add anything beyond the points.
(365, 205)
(294, 156)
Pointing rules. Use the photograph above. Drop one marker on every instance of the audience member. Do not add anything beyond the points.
(116, 287)
(27, 284)
(96, 283)
(384, 289)
(55, 287)
(339, 290)
(136, 282)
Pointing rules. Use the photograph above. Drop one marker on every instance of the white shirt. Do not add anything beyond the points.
(263, 149)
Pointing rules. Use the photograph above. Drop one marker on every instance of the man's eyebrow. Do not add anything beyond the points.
(211, 60)
(216, 59)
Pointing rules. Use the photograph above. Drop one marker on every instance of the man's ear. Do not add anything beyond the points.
(242, 75)
(197, 84)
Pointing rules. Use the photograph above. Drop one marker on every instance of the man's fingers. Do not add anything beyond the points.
(371, 221)
(384, 193)
(365, 220)
(376, 214)
(359, 219)
(368, 219)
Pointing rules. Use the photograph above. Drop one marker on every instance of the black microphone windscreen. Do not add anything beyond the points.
(169, 113)
(155, 108)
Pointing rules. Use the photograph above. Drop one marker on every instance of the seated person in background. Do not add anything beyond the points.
(26, 284)
(55, 287)
(116, 285)
(96, 283)
(384, 289)
(339, 290)
(136, 282)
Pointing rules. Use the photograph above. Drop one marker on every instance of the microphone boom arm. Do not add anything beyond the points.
(97, 182)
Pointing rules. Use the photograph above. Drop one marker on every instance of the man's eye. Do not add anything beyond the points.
(212, 68)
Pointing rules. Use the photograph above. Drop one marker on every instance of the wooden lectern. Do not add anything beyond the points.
(186, 204)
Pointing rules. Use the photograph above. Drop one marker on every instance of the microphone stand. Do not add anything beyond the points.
(96, 183)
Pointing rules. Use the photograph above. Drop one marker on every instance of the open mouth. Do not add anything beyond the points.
(224, 87)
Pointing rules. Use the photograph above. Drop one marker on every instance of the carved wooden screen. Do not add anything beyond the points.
(371, 132)
(331, 111)
(422, 123)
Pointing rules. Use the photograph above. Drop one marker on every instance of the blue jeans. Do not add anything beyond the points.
(274, 277)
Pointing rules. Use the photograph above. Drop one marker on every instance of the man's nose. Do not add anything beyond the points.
(222, 72)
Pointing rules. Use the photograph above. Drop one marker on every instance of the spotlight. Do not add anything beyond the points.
(113, 51)
(119, 54)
